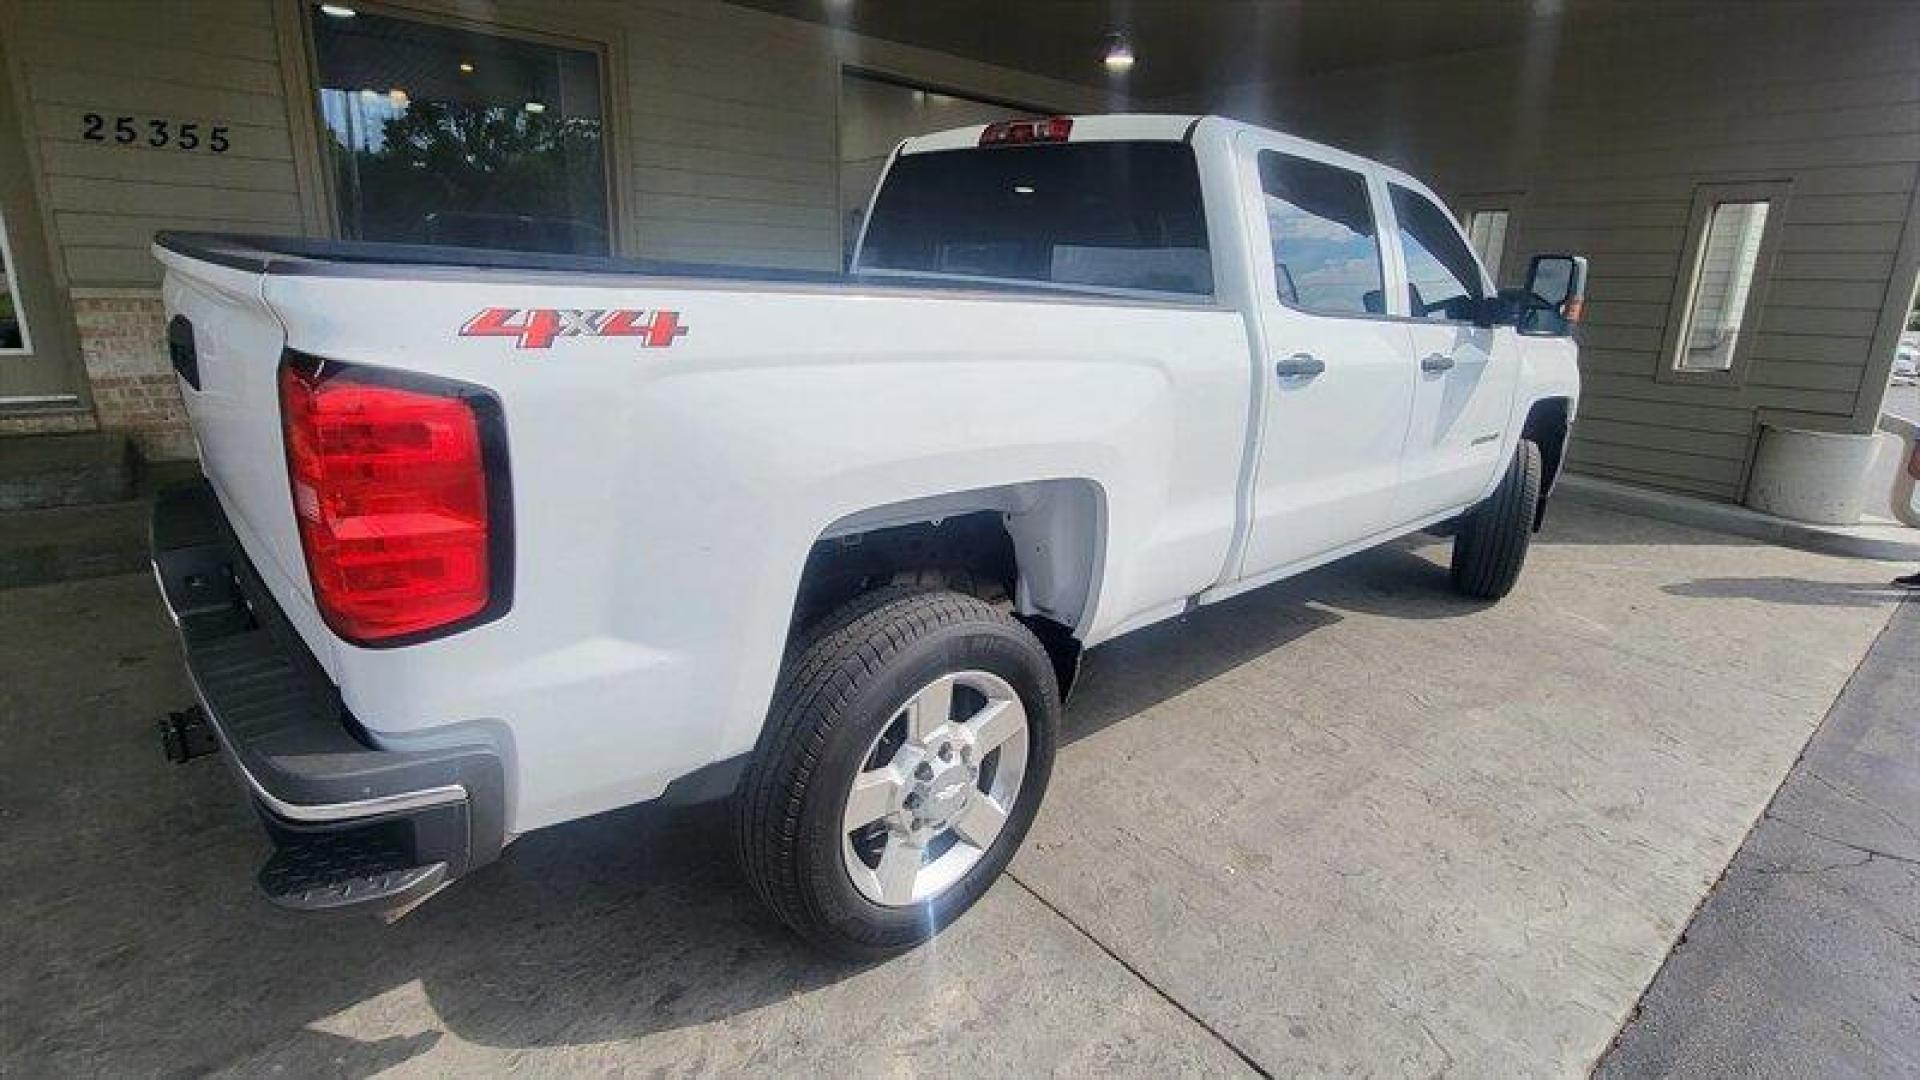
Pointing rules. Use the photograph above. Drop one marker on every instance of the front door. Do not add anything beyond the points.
(1466, 374)
(1336, 384)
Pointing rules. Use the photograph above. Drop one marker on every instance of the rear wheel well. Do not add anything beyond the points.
(967, 553)
(1029, 550)
(1546, 428)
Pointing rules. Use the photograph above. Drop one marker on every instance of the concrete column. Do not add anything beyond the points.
(1813, 476)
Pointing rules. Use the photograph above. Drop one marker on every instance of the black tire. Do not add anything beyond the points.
(1491, 545)
(842, 684)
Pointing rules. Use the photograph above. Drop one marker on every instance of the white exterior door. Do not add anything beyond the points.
(1466, 375)
(1336, 383)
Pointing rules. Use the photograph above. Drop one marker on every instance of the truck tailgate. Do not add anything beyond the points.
(227, 344)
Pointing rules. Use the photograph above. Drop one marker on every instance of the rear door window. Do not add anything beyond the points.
(1326, 248)
(1122, 215)
(1443, 281)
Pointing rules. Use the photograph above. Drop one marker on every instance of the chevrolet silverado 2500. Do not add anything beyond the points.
(491, 541)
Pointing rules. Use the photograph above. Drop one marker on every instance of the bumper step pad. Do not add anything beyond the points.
(355, 825)
(346, 870)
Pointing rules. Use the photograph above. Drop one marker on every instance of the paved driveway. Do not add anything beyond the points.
(1345, 824)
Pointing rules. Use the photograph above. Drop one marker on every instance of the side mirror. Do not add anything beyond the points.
(1555, 295)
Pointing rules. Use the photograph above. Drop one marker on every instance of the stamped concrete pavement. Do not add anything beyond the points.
(1348, 824)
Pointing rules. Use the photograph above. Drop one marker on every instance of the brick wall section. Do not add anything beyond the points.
(123, 340)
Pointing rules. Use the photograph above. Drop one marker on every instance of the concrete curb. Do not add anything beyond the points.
(1891, 543)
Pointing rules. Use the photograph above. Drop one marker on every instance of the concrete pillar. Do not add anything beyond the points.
(1813, 476)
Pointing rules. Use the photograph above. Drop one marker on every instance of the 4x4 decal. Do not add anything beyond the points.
(536, 328)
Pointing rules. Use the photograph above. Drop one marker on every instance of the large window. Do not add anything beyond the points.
(1326, 249)
(1443, 281)
(13, 316)
(440, 135)
(1722, 282)
(1113, 214)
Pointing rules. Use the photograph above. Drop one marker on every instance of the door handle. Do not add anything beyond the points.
(1436, 362)
(1299, 366)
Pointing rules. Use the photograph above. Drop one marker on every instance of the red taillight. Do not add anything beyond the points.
(390, 489)
(1013, 132)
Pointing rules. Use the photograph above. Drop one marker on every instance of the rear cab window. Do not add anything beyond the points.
(1117, 215)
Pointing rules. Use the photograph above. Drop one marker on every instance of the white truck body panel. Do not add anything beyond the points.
(664, 501)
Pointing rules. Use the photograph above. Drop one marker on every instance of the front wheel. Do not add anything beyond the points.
(906, 752)
(1491, 544)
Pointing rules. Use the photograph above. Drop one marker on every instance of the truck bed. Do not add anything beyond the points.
(295, 256)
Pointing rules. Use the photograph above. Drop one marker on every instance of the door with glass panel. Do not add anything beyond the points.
(1465, 375)
(1335, 378)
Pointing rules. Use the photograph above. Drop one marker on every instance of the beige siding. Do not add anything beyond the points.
(726, 121)
(1608, 140)
(724, 146)
(734, 130)
(216, 64)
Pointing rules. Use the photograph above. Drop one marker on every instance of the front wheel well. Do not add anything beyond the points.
(1547, 426)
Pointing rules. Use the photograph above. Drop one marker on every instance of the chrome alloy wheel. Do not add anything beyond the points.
(935, 788)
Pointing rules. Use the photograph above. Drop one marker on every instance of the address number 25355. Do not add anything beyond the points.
(154, 132)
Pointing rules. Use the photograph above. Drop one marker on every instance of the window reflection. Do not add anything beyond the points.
(440, 135)
(1722, 282)
(1326, 256)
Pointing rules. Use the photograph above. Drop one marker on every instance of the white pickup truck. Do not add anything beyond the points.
(491, 541)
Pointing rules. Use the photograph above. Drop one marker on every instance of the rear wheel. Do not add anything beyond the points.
(906, 752)
(1491, 544)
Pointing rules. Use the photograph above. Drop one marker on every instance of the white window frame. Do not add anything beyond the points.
(1251, 148)
(10, 283)
(1494, 260)
(1706, 199)
(1514, 201)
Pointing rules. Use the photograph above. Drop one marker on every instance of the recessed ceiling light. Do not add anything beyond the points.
(338, 11)
(536, 106)
(1022, 189)
(1119, 58)
(466, 68)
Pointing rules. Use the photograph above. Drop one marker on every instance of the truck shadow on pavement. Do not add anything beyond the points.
(636, 922)
(1134, 673)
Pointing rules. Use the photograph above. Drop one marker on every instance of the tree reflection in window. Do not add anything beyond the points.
(444, 136)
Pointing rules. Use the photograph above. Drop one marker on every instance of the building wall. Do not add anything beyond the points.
(1605, 136)
(726, 123)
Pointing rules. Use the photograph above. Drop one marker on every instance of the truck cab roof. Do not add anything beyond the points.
(1117, 127)
(1154, 127)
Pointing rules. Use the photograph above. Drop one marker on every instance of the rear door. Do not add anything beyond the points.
(1336, 381)
(1466, 375)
